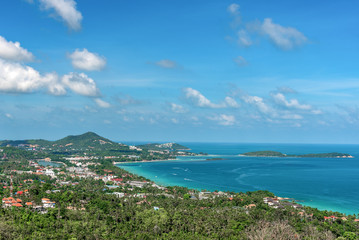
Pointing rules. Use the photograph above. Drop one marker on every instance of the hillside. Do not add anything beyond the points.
(81, 142)
(93, 144)
(86, 140)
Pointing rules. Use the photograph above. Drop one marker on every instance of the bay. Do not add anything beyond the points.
(324, 183)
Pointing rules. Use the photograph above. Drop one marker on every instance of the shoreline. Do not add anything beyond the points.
(163, 160)
(145, 161)
(320, 204)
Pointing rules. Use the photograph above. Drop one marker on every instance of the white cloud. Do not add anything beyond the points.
(291, 116)
(102, 103)
(258, 102)
(244, 38)
(66, 9)
(231, 102)
(233, 8)
(165, 63)
(107, 121)
(85, 60)
(81, 84)
(285, 89)
(223, 119)
(194, 118)
(285, 38)
(241, 61)
(316, 112)
(55, 87)
(128, 100)
(13, 51)
(198, 99)
(18, 78)
(174, 120)
(280, 99)
(8, 115)
(177, 108)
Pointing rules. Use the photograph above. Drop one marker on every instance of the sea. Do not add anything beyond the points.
(324, 183)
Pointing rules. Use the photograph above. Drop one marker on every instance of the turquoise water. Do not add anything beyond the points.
(324, 183)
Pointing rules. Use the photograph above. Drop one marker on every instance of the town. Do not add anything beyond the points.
(85, 188)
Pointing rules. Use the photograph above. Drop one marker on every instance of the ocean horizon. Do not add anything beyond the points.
(324, 183)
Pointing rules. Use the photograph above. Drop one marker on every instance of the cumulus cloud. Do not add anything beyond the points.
(280, 99)
(81, 84)
(166, 63)
(223, 119)
(17, 78)
(241, 61)
(177, 108)
(258, 102)
(66, 9)
(85, 60)
(231, 102)
(233, 9)
(243, 38)
(102, 103)
(13, 51)
(196, 98)
(285, 38)
(54, 85)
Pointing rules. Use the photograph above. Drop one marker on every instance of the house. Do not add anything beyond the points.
(118, 194)
(49, 172)
(117, 180)
(330, 218)
(47, 203)
(137, 183)
(250, 206)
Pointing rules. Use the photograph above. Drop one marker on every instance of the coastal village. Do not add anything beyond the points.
(43, 186)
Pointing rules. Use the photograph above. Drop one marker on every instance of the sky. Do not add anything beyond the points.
(180, 70)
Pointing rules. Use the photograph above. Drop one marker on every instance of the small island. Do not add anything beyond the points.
(311, 155)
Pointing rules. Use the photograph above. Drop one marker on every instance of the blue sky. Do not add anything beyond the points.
(213, 71)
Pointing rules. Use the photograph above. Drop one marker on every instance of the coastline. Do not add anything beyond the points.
(145, 161)
(178, 158)
(169, 176)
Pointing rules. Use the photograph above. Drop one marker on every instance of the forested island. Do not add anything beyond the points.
(311, 155)
(87, 197)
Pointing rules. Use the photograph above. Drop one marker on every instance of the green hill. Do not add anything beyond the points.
(81, 142)
(85, 140)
